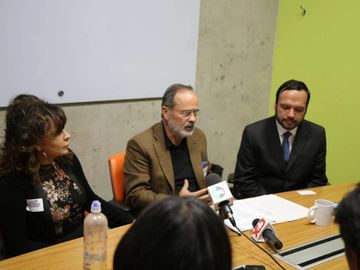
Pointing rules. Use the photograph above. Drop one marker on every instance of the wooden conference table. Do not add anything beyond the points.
(68, 255)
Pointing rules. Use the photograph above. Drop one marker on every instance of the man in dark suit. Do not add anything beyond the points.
(171, 156)
(283, 152)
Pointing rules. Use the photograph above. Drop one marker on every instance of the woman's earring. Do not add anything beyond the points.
(44, 155)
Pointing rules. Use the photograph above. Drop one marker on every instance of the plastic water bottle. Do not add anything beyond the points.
(95, 236)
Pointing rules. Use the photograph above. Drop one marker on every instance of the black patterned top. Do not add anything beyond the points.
(64, 196)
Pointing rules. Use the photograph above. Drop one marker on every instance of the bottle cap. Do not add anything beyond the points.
(96, 207)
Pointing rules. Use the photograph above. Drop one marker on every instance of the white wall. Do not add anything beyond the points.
(92, 50)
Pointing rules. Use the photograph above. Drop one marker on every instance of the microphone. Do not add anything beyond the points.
(264, 232)
(220, 194)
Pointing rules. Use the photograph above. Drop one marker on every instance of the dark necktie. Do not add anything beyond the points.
(286, 145)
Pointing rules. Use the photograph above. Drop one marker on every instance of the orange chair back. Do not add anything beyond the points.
(116, 166)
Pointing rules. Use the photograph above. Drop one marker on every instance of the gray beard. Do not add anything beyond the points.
(180, 132)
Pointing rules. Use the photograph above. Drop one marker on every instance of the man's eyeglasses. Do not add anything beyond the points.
(187, 113)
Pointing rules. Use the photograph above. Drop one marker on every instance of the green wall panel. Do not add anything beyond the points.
(319, 42)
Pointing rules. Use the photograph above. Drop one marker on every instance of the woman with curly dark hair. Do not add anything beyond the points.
(43, 189)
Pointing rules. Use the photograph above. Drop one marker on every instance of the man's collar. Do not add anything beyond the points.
(168, 143)
(281, 130)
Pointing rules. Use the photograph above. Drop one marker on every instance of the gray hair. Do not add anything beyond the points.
(171, 91)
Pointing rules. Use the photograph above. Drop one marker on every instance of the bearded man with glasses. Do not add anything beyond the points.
(171, 156)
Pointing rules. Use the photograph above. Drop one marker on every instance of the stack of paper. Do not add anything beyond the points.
(270, 207)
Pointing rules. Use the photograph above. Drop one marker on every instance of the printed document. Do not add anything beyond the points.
(270, 207)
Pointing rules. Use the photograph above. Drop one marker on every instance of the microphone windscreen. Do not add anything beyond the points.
(255, 221)
(212, 179)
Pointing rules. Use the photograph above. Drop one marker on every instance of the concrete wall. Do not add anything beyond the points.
(234, 71)
(236, 43)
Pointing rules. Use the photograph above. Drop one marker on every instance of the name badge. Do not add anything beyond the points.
(35, 205)
(205, 167)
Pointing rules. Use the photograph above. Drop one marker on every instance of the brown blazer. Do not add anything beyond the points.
(148, 168)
